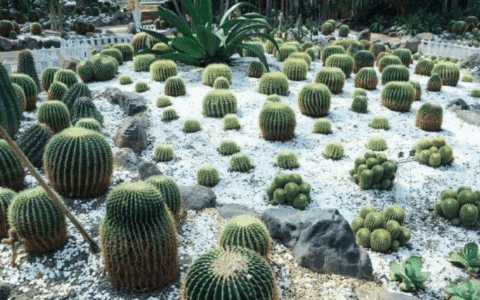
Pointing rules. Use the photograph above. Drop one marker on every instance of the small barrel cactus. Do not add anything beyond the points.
(475, 93)
(312, 52)
(418, 89)
(284, 51)
(142, 41)
(126, 50)
(29, 88)
(341, 61)
(191, 125)
(104, 67)
(314, 100)
(363, 59)
(65, 76)
(295, 69)
(322, 126)
(405, 56)
(354, 48)
(221, 83)
(36, 28)
(448, 72)
(230, 121)
(333, 78)
(57, 91)
(141, 86)
(162, 69)
(47, 77)
(366, 78)
(287, 160)
(125, 79)
(331, 50)
(273, 83)
(398, 96)
(434, 84)
(169, 114)
(26, 65)
(424, 67)
(84, 107)
(67, 169)
(208, 176)
(301, 55)
(380, 122)
(359, 92)
(6, 196)
(360, 104)
(163, 101)
(89, 123)
(115, 53)
(55, 115)
(37, 221)
(380, 240)
(142, 62)
(378, 48)
(22, 99)
(429, 117)
(377, 143)
(12, 175)
(395, 73)
(388, 60)
(343, 31)
(170, 191)
(327, 28)
(33, 142)
(228, 147)
(277, 121)
(161, 48)
(468, 78)
(248, 232)
(334, 150)
(174, 86)
(218, 103)
(212, 71)
(163, 153)
(239, 162)
(85, 71)
(255, 69)
(76, 92)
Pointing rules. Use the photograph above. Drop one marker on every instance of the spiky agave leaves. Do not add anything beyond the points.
(37, 220)
(239, 270)
(295, 69)
(33, 142)
(380, 122)
(256, 45)
(388, 60)
(239, 162)
(81, 173)
(448, 72)
(170, 192)
(29, 88)
(213, 71)
(174, 86)
(314, 100)
(395, 73)
(322, 126)
(334, 150)
(333, 78)
(208, 176)
(57, 91)
(366, 78)
(429, 117)
(26, 65)
(363, 59)
(142, 62)
(341, 61)
(424, 67)
(162, 69)
(11, 113)
(331, 50)
(277, 121)
(398, 96)
(47, 76)
(273, 83)
(138, 238)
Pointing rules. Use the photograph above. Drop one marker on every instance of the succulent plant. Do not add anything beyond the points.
(65, 76)
(314, 100)
(221, 83)
(409, 273)
(429, 117)
(327, 28)
(163, 153)
(33, 142)
(378, 48)
(341, 61)
(334, 150)
(257, 45)
(37, 221)
(191, 125)
(125, 79)
(388, 60)
(85, 71)
(138, 238)
(466, 290)
(55, 115)
(398, 96)
(13, 174)
(354, 48)
(11, 113)
(143, 41)
(29, 88)
(47, 77)
(322, 126)
(85, 108)
(331, 50)
(255, 69)
(5, 26)
(162, 69)
(289, 189)
(22, 101)
(69, 172)
(228, 147)
(89, 123)
(467, 258)
(363, 237)
(395, 73)
(230, 121)
(141, 86)
(237, 267)
(26, 65)
(377, 143)
(366, 78)
(287, 160)
(363, 59)
(468, 78)
(218, 103)
(6, 196)
(277, 121)
(270, 47)
(434, 84)
(380, 122)
(57, 91)
(333, 78)
(169, 114)
(161, 48)
(475, 93)
(312, 52)
(104, 67)
(142, 62)
(295, 69)
(163, 101)
(428, 153)
(272, 99)
(126, 50)
(359, 92)
(405, 56)
(170, 192)
(239, 162)
(448, 72)
(115, 53)
(424, 67)
(212, 71)
(76, 92)
(360, 104)
(208, 176)
(273, 83)
(380, 240)
(284, 51)
(459, 27)
(366, 209)
(174, 86)
(374, 171)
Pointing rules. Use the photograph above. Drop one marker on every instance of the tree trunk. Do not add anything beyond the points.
(53, 17)
(227, 5)
(296, 7)
(268, 9)
(444, 8)
(469, 5)
(454, 5)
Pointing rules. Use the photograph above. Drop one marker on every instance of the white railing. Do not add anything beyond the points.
(150, 27)
(80, 49)
(458, 51)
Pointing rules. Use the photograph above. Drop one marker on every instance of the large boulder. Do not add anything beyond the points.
(198, 197)
(471, 61)
(147, 169)
(6, 44)
(131, 103)
(70, 63)
(364, 35)
(132, 133)
(125, 158)
(410, 43)
(321, 240)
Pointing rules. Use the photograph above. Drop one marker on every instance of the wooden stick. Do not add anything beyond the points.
(55, 197)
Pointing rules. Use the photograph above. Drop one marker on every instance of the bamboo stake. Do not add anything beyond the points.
(55, 197)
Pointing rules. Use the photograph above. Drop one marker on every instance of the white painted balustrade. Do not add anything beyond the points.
(456, 50)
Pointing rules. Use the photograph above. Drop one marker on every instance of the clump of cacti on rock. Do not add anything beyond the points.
(289, 189)
(434, 153)
(374, 171)
(460, 206)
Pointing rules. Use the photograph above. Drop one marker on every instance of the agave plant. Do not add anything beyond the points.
(468, 258)
(466, 290)
(409, 273)
(202, 44)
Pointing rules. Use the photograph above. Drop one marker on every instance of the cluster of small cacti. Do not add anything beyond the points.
(434, 84)
(174, 86)
(57, 91)
(162, 69)
(398, 96)
(163, 153)
(191, 125)
(29, 88)
(429, 117)
(213, 71)
(388, 60)
(100, 67)
(169, 114)
(460, 207)
(381, 231)
(331, 50)
(208, 176)
(10, 113)
(239, 162)
(333, 78)
(377, 143)
(314, 100)
(289, 189)
(160, 24)
(85, 70)
(359, 104)
(424, 67)
(374, 171)
(322, 126)
(366, 78)
(434, 153)
(295, 69)
(334, 150)
(273, 83)
(219, 102)
(287, 160)
(277, 121)
(141, 86)
(395, 73)
(448, 72)
(363, 59)
(142, 62)
(12, 175)
(380, 122)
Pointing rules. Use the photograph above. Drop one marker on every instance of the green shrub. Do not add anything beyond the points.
(363, 59)
(29, 88)
(434, 84)
(331, 50)
(433, 152)
(388, 60)
(228, 147)
(141, 86)
(163, 101)
(273, 83)
(314, 100)
(424, 67)
(26, 65)
(230, 121)
(341, 61)
(55, 115)
(448, 72)
(377, 143)
(380, 122)
(47, 77)
(213, 71)
(191, 125)
(334, 150)
(322, 126)
(429, 117)
(343, 31)
(89, 123)
(76, 177)
(277, 121)
(12, 175)
(162, 69)
(405, 56)
(459, 27)
(142, 62)
(295, 69)
(374, 171)
(395, 73)
(163, 153)
(221, 83)
(115, 53)
(169, 114)
(287, 160)
(174, 86)
(208, 176)
(240, 162)
(360, 104)
(366, 78)
(57, 91)
(289, 189)
(218, 103)
(333, 78)
(398, 96)
(255, 69)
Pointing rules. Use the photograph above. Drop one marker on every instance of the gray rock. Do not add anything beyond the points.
(229, 211)
(321, 240)
(90, 34)
(386, 295)
(68, 62)
(425, 36)
(198, 197)
(126, 159)
(330, 38)
(472, 60)
(147, 169)
(364, 35)
(131, 28)
(20, 45)
(413, 43)
(459, 102)
(389, 29)
(471, 117)
(31, 43)
(392, 34)
(109, 32)
(6, 44)
(5, 291)
(132, 134)
(131, 103)
(51, 44)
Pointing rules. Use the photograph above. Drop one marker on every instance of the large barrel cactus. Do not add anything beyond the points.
(331, 50)
(85, 70)
(174, 86)
(218, 103)
(429, 117)
(405, 56)
(77, 91)
(273, 83)
(85, 108)
(334, 78)
(33, 142)
(29, 88)
(341, 61)
(138, 238)
(37, 220)
(12, 174)
(366, 78)
(161, 69)
(363, 59)
(388, 60)
(115, 53)
(449, 72)
(55, 115)
(26, 65)
(57, 91)
(126, 50)
(277, 121)
(395, 73)
(142, 41)
(295, 69)
(79, 163)
(398, 96)
(10, 112)
(228, 274)
(314, 100)
(104, 67)
(424, 67)
(170, 192)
